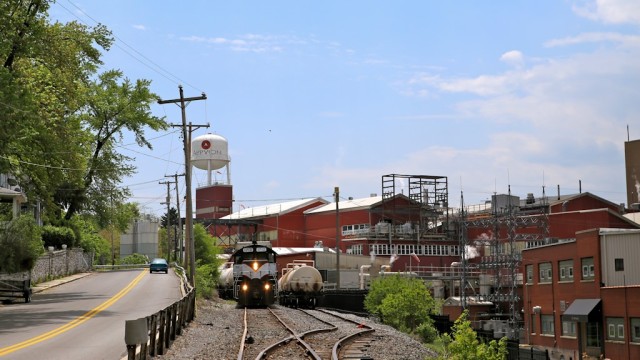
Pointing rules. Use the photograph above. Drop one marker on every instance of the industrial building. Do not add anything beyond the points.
(582, 296)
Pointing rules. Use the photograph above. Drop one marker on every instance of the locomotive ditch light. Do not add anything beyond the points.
(245, 287)
(255, 266)
(266, 286)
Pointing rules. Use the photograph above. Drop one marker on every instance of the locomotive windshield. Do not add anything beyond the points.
(257, 253)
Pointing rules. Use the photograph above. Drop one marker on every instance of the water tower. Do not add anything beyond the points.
(210, 152)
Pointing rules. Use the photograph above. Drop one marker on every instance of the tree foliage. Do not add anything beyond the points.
(66, 119)
(169, 218)
(57, 236)
(21, 244)
(463, 344)
(207, 261)
(404, 303)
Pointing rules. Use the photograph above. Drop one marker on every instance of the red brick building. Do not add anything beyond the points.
(582, 296)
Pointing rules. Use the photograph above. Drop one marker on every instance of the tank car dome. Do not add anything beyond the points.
(209, 151)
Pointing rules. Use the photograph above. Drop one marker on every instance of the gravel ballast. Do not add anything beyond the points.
(216, 331)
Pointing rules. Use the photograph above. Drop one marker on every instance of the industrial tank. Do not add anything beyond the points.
(209, 152)
(306, 279)
(300, 286)
(225, 282)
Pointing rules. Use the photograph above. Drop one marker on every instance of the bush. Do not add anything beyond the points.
(21, 244)
(57, 236)
(463, 344)
(404, 303)
(206, 280)
(135, 259)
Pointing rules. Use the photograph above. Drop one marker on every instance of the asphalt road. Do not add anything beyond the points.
(85, 318)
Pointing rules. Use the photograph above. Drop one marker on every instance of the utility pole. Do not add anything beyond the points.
(190, 251)
(336, 194)
(179, 231)
(168, 202)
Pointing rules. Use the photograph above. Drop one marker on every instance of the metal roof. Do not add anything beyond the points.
(351, 204)
(272, 209)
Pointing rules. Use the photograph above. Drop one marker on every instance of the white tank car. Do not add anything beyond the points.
(300, 286)
(306, 279)
(225, 283)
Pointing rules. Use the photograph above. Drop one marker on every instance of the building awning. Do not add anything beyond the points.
(584, 310)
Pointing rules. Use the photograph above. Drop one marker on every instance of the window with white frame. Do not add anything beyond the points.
(355, 249)
(566, 270)
(588, 268)
(547, 325)
(615, 328)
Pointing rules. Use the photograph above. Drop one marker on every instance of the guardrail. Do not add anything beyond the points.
(152, 335)
(120, 267)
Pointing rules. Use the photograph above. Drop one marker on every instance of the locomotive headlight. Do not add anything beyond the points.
(267, 286)
(245, 287)
(255, 266)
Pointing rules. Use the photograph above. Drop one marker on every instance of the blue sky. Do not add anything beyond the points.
(313, 95)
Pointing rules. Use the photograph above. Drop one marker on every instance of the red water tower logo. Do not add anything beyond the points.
(206, 144)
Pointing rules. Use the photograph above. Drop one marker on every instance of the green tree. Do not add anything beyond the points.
(404, 303)
(464, 343)
(170, 217)
(113, 106)
(43, 79)
(21, 244)
(65, 120)
(207, 261)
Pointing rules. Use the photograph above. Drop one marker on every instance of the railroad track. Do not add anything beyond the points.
(312, 334)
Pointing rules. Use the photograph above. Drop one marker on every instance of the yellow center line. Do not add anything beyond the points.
(77, 321)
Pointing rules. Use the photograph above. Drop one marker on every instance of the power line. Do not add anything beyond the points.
(156, 68)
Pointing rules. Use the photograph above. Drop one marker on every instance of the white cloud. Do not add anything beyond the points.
(610, 11)
(513, 58)
(139, 27)
(633, 40)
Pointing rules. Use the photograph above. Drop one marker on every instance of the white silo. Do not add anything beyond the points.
(210, 152)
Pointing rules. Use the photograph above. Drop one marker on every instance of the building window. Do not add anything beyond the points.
(635, 330)
(545, 272)
(566, 270)
(588, 269)
(529, 274)
(355, 249)
(547, 325)
(569, 328)
(619, 264)
(615, 328)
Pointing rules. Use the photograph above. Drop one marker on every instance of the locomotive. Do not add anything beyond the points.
(254, 275)
(300, 285)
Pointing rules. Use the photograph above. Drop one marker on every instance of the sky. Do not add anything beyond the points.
(312, 95)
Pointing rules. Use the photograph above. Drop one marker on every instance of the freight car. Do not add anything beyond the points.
(255, 275)
(225, 282)
(300, 285)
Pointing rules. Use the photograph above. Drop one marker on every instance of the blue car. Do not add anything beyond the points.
(160, 265)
